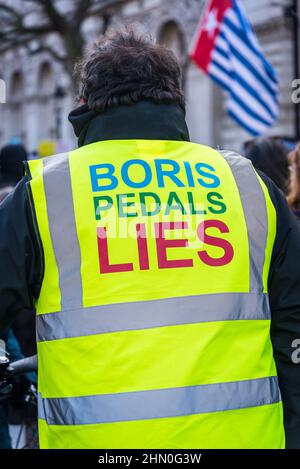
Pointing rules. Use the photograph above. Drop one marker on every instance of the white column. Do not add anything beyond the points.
(32, 124)
(200, 107)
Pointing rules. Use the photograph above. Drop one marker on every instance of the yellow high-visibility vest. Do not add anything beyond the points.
(153, 319)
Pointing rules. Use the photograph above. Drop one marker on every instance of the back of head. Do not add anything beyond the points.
(11, 158)
(270, 157)
(125, 68)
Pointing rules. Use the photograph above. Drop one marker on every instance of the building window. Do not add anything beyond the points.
(172, 37)
(45, 102)
(16, 106)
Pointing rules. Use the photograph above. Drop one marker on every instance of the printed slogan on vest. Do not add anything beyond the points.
(175, 206)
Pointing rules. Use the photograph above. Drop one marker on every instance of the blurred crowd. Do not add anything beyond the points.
(280, 161)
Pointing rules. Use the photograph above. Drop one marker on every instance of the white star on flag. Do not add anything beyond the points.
(211, 23)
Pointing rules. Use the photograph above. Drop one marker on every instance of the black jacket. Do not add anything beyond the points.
(21, 271)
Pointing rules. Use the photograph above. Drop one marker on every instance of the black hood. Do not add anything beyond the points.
(143, 120)
(11, 163)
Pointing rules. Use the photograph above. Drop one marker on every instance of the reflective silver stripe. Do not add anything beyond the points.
(60, 208)
(162, 403)
(41, 413)
(255, 210)
(150, 314)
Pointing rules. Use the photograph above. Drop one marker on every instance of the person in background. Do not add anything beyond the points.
(294, 193)
(11, 167)
(11, 172)
(21, 337)
(269, 156)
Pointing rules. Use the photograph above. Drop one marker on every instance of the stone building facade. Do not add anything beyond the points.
(34, 109)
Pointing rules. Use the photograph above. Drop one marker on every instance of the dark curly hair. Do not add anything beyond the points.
(124, 68)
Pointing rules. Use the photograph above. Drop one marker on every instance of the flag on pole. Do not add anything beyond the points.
(227, 50)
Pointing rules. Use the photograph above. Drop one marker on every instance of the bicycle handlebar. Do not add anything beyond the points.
(25, 365)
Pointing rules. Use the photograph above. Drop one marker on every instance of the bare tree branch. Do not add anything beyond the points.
(11, 11)
(57, 19)
(101, 7)
(15, 31)
(45, 48)
(82, 10)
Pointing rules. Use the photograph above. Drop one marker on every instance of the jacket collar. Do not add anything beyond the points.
(143, 120)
